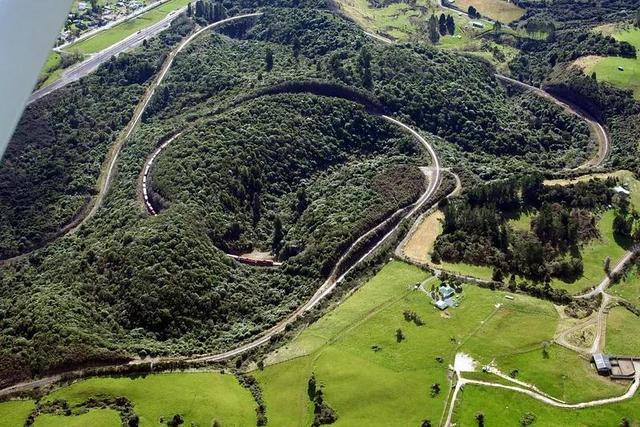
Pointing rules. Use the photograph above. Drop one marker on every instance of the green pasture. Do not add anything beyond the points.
(14, 412)
(622, 336)
(93, 418)
(506, 408)
(629, 286)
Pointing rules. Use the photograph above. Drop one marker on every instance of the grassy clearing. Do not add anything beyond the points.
(593, 255)
(398, 20)
(499, 10)
(522, 221)
(421, 242)
(606, 68)
(629, 286)
(93, 418)
(109, 37)
(14, 412)
(622, 332)
(199, 397)
(506, 408)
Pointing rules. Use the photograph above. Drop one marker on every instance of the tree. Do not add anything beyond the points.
(189, 10)
(480, 419)
(302, 202)
(497, 26)
(399, 335)
(176, 421)
(277, 235)
(473, 12)
(637, 20)
(364, 60)
(442, 25)
(451, 25)
(607, 265)
(268, 60)
(625, 422)
(527, 419)
(432, 30)
(95, 7)
(497, 276)
(426, 423)
(311, 387)
(435, 389)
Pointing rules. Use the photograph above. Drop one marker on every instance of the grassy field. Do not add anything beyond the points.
(108, 37)
(498, 10)
(420, 244)
(505, 408)
(606, 68)
(622, 332)
(629, 286)
(398, 20)
(593, 255)
(93, 418)
(199, 397)
(391, 386)
(15, 412)
(522, 222)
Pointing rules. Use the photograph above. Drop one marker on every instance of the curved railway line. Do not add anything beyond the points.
(340, 271)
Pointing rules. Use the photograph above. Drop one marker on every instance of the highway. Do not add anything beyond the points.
(87, 66)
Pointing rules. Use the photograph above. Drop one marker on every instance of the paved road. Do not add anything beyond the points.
(85, 67)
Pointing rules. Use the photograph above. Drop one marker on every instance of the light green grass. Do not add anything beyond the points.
(562, 374)
(109, 37)
(505, 408)
(622, 332)
(499, 10)
(199, 397)
(629, 287)
(15, 412)
(522, 222)
(93, 418)
(479, 271)
(391, 386)
(593, 255)
(606, 69)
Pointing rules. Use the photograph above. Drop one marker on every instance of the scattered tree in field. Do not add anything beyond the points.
(451, 25)
(400, 335)
(607, 265)
(513, 373)
(189, 10)
(432, 30)
(480, 419)
(498, 275)
(311, 387)
(473, 12)
(527, 419)
(625, 422)
(268, 60)
(435, 389)
(545, 350)
(497, 26)
(426, 423)
(176, 421)
(442, 25)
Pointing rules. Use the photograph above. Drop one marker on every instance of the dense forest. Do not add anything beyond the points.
(51, 165)
(298, 174)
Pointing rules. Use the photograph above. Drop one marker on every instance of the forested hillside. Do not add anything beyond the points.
(49, 171)
(300, 174)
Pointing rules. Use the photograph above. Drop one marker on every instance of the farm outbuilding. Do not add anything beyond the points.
(603, 364)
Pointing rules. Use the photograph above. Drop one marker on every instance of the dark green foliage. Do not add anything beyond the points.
(51, 165)
(475, 228)
(568, 13)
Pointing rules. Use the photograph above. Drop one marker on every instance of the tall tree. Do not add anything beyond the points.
(451, 25)
(432, 30)
(364, 61)
(189, 10)
(268, 60)
(442, 24)
(278, 234)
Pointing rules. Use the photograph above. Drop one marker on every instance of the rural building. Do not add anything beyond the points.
(446, 291)
(442, 305)
(477, 24)
(603, 364)
(620, 68)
